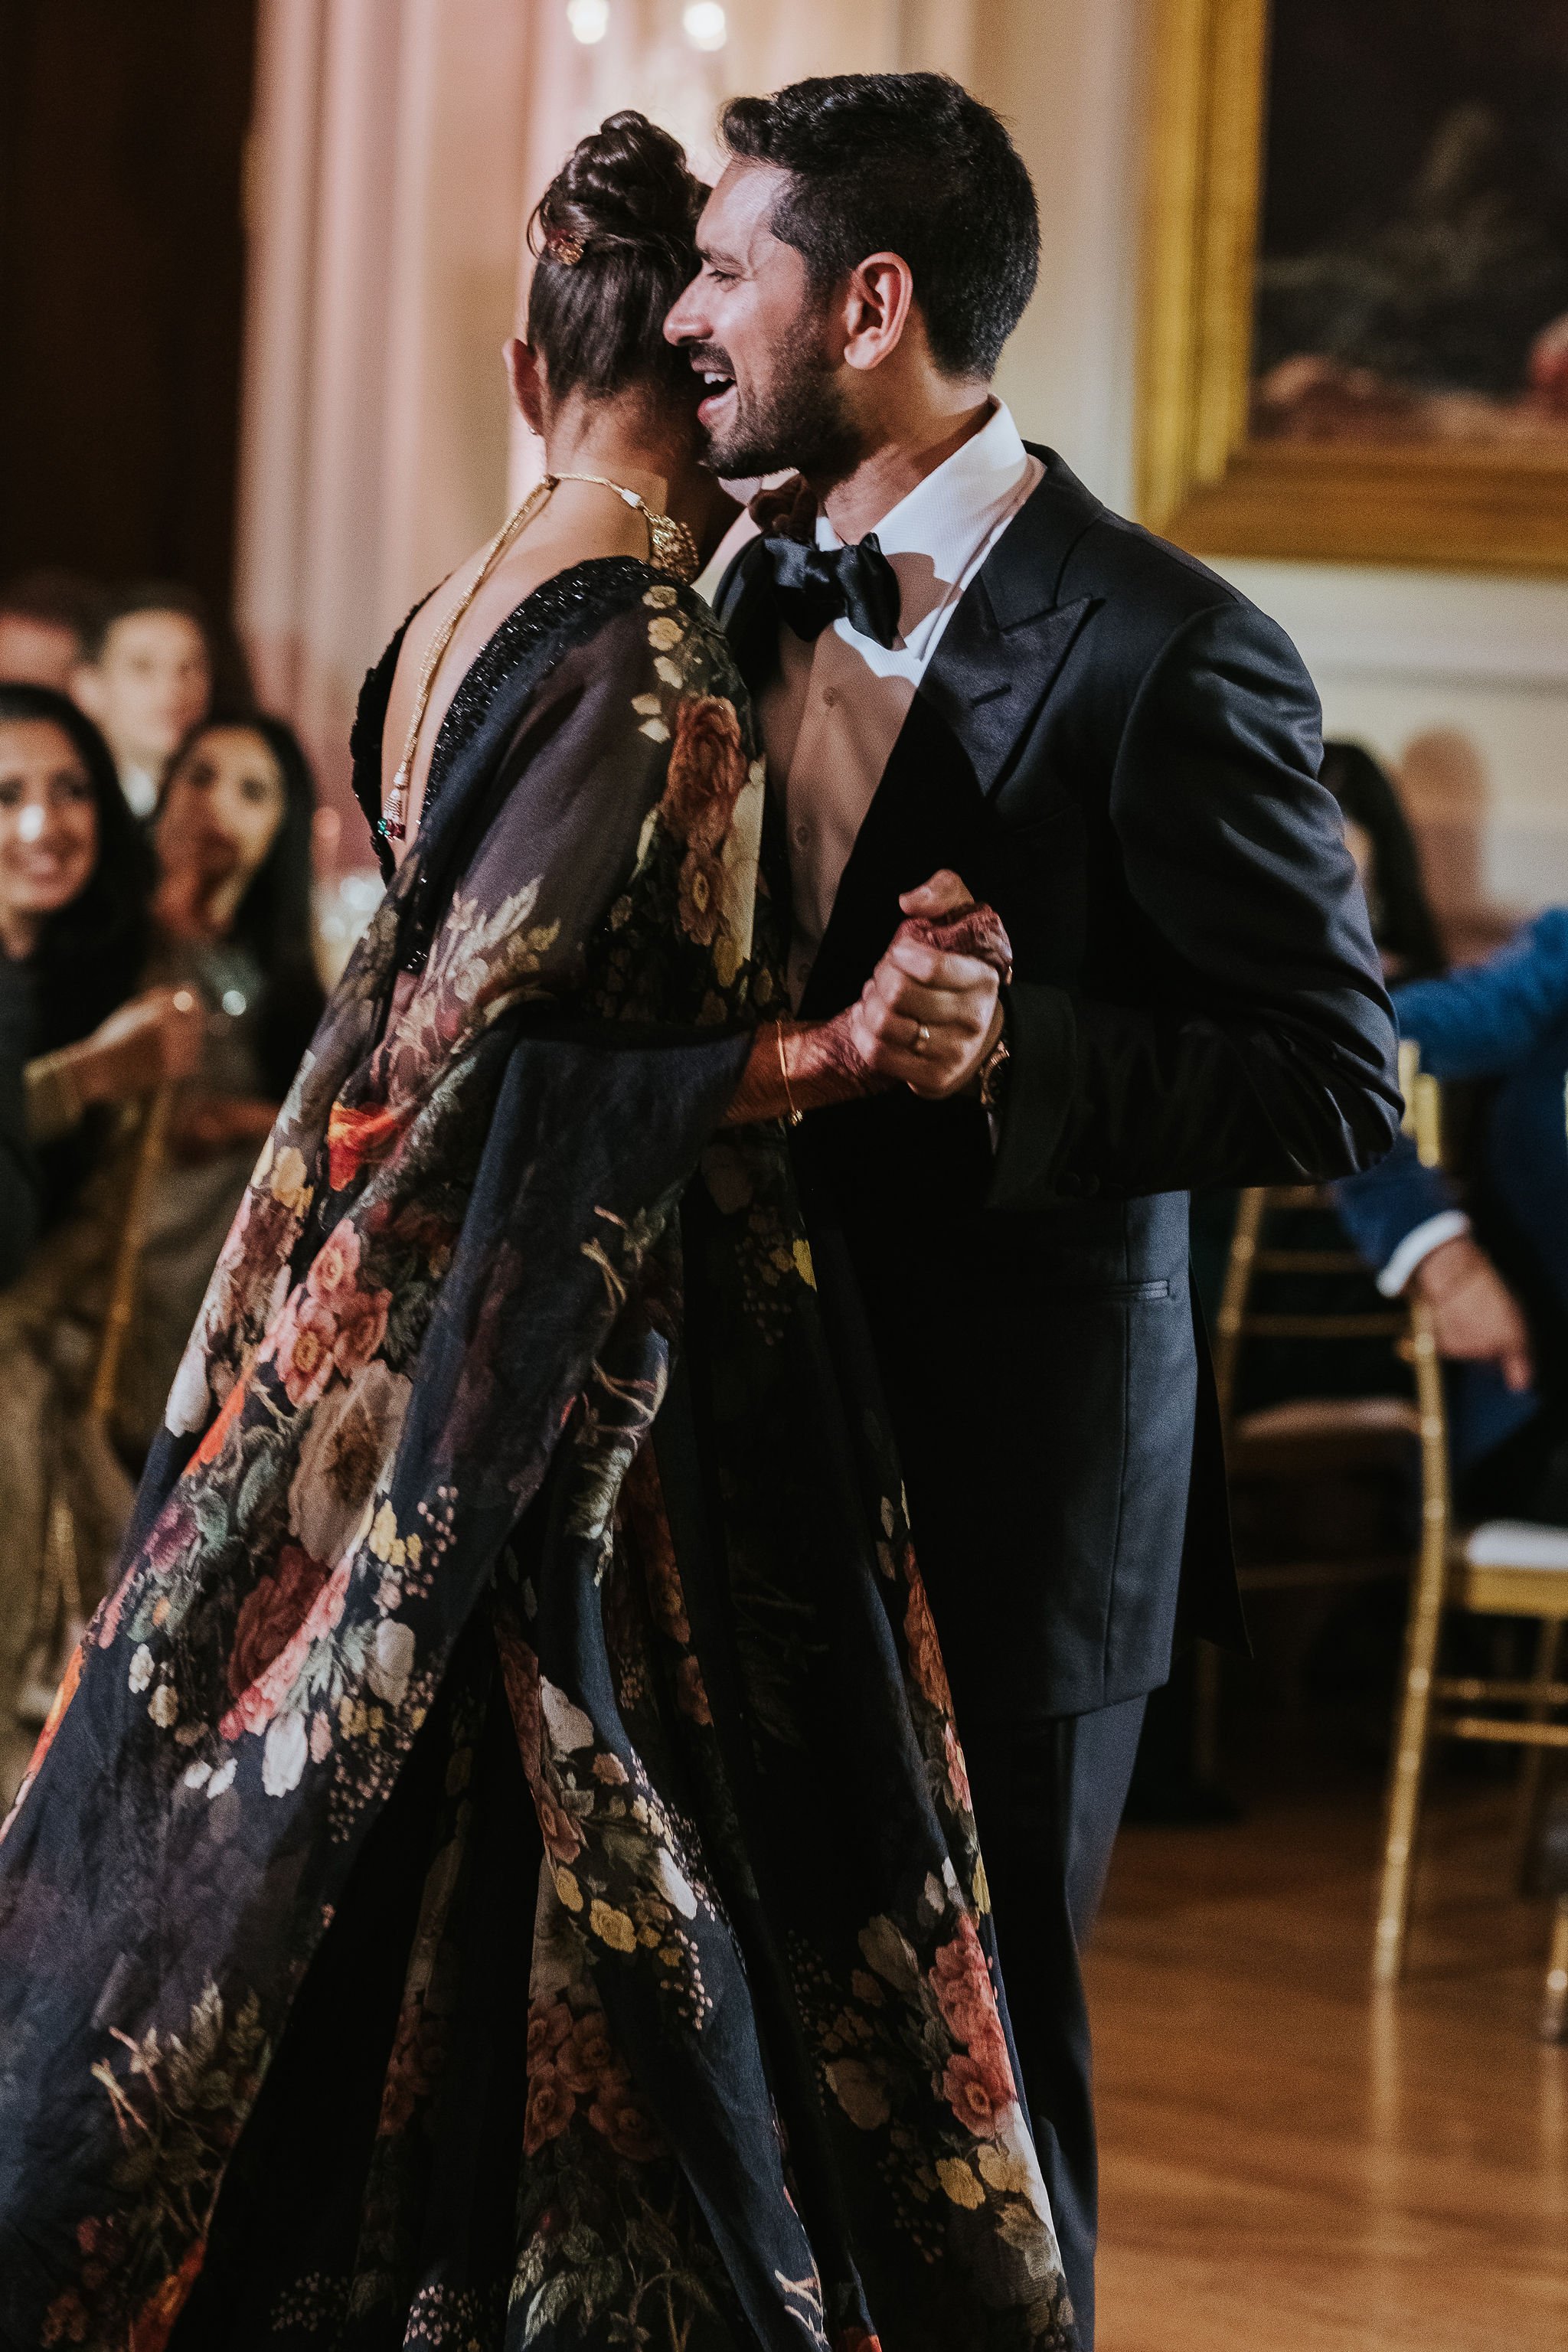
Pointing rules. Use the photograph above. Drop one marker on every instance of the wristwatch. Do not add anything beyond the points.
(993, 1070)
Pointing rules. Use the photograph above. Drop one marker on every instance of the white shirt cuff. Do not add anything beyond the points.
(1419, 1244)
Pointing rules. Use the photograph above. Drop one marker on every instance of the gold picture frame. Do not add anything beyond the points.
(1203, 481)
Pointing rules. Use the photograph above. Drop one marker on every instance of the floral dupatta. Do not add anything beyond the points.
(769, 2092)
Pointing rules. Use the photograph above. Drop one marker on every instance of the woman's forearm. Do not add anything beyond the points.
(800, 1066)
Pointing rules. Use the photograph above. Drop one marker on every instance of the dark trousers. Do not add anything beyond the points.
(1048, 1802)
(1047, 1798)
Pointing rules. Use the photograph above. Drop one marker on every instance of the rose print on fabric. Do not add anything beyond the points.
(417, 1598)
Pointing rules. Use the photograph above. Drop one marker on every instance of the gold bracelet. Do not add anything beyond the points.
(795, 1116)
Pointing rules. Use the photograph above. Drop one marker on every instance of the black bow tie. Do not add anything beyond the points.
(815, 586)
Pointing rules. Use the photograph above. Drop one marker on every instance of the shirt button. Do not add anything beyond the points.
(803, 835)
(829, 698)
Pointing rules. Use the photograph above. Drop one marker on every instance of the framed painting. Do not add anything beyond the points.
(1355, 333)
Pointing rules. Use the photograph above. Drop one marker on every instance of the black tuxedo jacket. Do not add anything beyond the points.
(1120, 753)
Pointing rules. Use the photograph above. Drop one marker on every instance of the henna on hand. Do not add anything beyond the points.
(930, 1012)
(823, 1066)
(974, 930)
(821, 1060)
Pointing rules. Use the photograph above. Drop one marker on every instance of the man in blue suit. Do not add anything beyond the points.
(1497, 1287)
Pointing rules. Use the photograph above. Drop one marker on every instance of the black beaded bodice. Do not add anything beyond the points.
(568, 606)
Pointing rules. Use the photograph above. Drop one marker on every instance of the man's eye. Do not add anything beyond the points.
(720, 277)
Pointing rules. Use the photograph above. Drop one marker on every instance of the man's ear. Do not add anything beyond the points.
(879, 300)
(525, 373)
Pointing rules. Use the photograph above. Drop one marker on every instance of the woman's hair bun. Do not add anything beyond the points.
(625, 184)
(615, 237)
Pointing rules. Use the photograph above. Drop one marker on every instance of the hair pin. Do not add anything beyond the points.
(568, 250)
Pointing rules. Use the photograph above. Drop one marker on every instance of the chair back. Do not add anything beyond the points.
(129, 1243)
(103, 1489)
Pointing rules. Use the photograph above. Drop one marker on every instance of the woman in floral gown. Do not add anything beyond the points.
(500, 1870)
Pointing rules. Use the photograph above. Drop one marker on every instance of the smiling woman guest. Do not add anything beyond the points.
(232, 928)
(74, 879)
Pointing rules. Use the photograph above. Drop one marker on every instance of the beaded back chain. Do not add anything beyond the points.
(671, 547)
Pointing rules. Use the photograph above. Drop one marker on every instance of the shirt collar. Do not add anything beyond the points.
(947, 515)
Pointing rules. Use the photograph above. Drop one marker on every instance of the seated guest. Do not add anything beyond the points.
(232, 925)
(75, 881)
(1497, 1276)
(46, 621)
(147, 680)
(18, 1166)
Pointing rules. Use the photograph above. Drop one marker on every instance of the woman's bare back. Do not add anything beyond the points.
(579, 522)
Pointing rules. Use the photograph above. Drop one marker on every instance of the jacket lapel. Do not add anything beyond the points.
(998, 659)
(744, 607)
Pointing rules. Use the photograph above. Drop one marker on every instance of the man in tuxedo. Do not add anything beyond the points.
(966, 666)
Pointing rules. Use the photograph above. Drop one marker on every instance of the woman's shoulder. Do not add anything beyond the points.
(660, 624)
(612, 621)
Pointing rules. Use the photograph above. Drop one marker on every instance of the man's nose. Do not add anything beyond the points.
(682, 323)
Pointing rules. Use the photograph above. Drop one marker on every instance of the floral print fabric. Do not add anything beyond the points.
(500, 1870)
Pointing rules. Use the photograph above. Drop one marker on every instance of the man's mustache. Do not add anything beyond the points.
(706, 359)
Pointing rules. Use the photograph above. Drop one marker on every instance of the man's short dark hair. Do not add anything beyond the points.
(55, 599)
(904, 164)
(150, 596)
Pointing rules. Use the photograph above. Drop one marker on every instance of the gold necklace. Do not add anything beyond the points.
(671, 547)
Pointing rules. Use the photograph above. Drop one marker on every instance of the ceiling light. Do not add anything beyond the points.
(590, 20)
(705, 25)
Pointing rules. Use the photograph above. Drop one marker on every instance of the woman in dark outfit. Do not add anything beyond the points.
(511, 1804)
(231, 926)
(75, 880)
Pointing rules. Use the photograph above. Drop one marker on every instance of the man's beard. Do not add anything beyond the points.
(800, 423)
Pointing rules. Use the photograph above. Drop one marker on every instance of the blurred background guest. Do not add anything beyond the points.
(147, 680)
(1379, 836)
(18, 1166)
(232, 926)
(76, 878)
(47, 619)
(1495, 1269)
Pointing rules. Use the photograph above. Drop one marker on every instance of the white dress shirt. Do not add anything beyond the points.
(831, 716)
(140, 788)
(1418, 1244)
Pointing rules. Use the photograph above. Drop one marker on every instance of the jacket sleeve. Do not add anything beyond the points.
(1263, 1049)
(1383, 1206)
(1480, 1023)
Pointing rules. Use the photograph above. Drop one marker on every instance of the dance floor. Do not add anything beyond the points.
(1292, 2164)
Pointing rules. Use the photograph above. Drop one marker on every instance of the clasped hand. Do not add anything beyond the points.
(930, 1012)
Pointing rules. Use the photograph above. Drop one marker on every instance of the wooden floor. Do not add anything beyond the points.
(1290, 2165)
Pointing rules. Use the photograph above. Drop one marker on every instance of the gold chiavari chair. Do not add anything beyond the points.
(1503, 1568)
(61, 1610)
(1325, 1435)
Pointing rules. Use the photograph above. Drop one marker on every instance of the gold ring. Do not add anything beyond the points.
(922, 1037)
